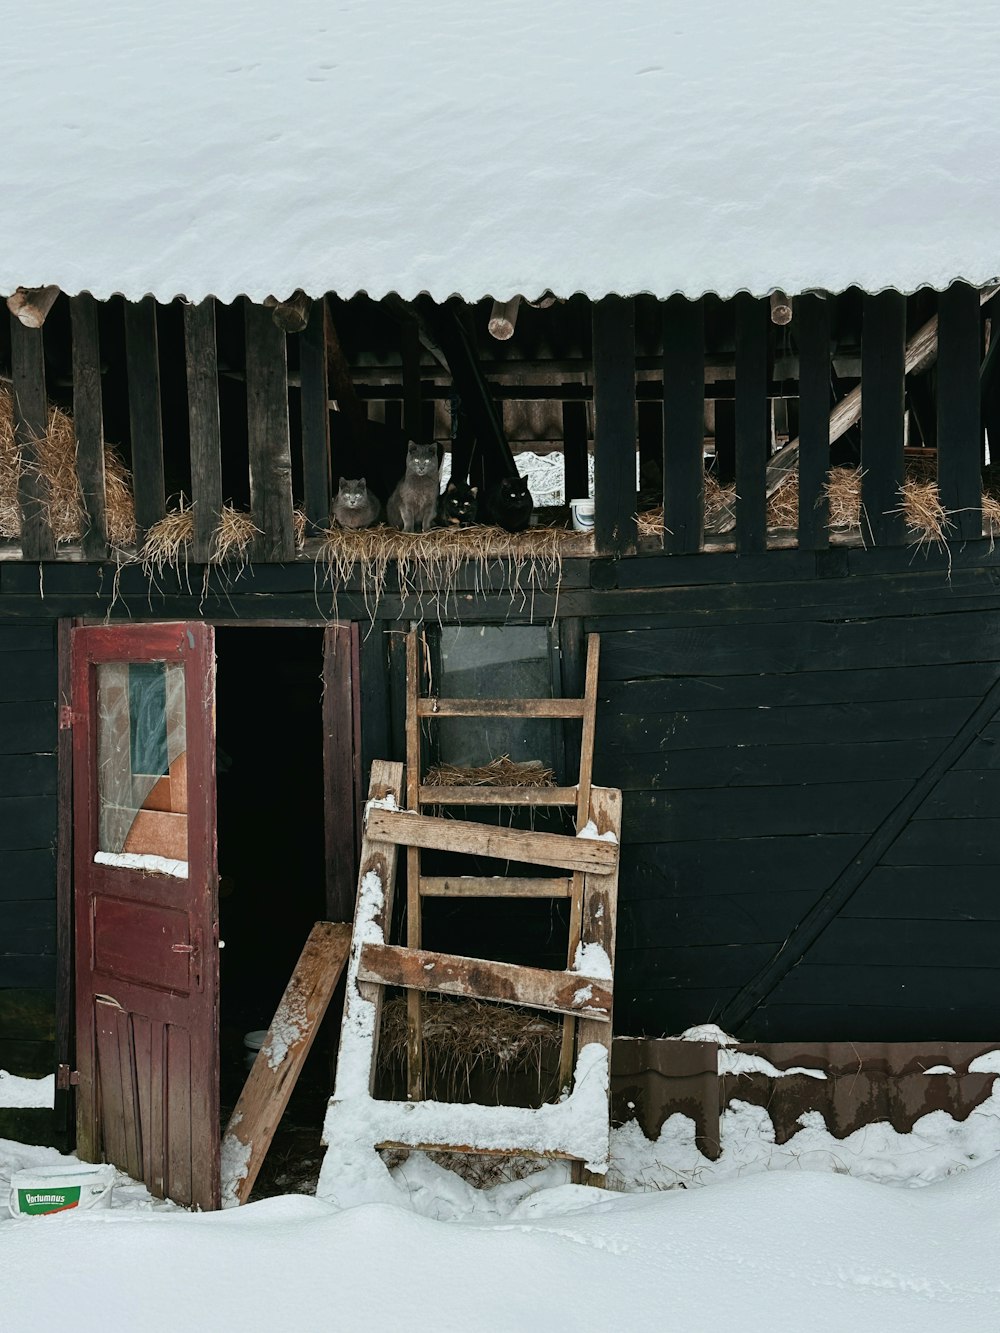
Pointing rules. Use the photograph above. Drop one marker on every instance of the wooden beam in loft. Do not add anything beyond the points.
(30, 305)
(268, 442)
(753, 433)
(31, 416)
(88, 422)
(314, 363)
(814, 420)
(883, 357)
(683, 425)
(959, 424)
(145, 424)
(614, 425)
(202, 364)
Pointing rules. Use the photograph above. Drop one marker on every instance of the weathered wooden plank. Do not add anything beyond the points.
(64, 884)
(548, 849)
(314, 371)
(268, 440)
(813, 315)
(753, 436)
(849, 942)
(959, 427)
(479, 979)
(576, 479)
(683, 425)
(414, 931)
(851, 878)
(551, 708)
(882, 374)
(492, 886)
(339, 745)
(31, 417)
(614, 425)
(289, 1039)
(497, 795)
(145, 422)
(929, 893)
(202, 363)
(88, 422)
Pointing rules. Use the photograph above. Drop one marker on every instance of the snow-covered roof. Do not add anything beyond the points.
(499, 146)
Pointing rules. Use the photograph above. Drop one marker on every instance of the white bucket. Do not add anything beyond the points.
(58, 1189)
(583, 515)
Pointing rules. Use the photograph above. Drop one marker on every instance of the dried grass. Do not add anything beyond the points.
(167, 543)
(55, 464)
(428, 563)
(467, 1039)
(502, 772)
(719, 509)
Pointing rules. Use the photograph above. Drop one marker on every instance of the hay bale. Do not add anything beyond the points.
(56, 465)
(719, 509)
(502, 772)
(168, 541)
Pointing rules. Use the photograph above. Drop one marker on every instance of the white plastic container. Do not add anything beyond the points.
(37, 1192)
(583, 515)
(252, 1042)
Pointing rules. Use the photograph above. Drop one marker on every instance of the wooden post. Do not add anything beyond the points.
(201, 359)
(315, 400)
(414, 1012)
(339, 743)
(146, 427)
(31, 421)
(882, 376)
(614, 426)
(292, 316)
(781, 308)
(814, 421)
(88, 422)
(960, 428)
(267, 436)
(683, 425)
(753, 436)
(576, 478)
(410, 358)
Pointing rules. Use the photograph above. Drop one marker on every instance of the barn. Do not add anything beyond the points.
(763, 342)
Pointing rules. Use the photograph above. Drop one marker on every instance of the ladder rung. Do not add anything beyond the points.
(498, 795)
(555, 1154)
(493, 886)
(482, 979)
(552, 708)
(506, 844)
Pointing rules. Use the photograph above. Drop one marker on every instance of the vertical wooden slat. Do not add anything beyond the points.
(410, 354)
(267, 435)
(683, 425)
(64, 887)
(414, 1013)
(883, 338)
(88, 422)
(339, 685)
(813, 321)
(614, 425)
(576, 479)
(959, 426)
(752, 428)
(31, 416)
(202, 360)
(314, 371)
(145, 423)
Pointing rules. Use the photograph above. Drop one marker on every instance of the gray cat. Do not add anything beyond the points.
(354, 506)
(413, 504)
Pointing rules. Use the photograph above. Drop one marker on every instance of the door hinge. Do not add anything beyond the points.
(66, 1077)
(67, 717)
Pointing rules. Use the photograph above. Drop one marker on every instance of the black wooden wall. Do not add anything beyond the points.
(27, 844)
(768, 754)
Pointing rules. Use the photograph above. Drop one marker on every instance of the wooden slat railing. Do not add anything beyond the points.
(959, 426)
(614, 425)
(683, 425)
(813, 317)
(145, 424)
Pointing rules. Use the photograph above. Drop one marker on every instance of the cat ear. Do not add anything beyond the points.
(474, 489)
(450, 487)
(342, 483)
(362, 484)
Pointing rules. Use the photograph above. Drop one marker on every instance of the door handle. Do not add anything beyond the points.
(193, 951)
(182, 948)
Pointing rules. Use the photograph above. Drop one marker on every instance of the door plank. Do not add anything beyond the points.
(280, 1059)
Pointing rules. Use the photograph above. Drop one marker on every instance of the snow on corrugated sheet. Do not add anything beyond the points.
(499, 146)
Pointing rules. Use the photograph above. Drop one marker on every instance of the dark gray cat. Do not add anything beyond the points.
(354, 506)
(413, 504)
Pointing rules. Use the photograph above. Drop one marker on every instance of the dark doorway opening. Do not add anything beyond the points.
(272, 869)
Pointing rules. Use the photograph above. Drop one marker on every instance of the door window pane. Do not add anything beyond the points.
(495, 662)
(141, 763)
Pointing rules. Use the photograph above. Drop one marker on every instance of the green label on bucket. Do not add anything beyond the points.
(54, 1199)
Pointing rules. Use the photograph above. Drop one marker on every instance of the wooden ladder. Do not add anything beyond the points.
(419, 796)
(576, 1127)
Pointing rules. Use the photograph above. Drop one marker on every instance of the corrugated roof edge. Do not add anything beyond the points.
(192, 296)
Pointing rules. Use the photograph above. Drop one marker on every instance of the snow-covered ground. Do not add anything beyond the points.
(785, 1238)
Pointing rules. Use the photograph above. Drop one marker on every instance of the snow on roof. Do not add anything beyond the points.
(499, 146)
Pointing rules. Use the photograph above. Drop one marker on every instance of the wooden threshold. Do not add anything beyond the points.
(493, 886)
(481, 979)
(506, 844)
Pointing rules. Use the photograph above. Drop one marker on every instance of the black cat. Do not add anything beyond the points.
(508, 503)
(459, 504)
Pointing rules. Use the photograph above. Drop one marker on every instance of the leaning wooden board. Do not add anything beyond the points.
(280, 1059)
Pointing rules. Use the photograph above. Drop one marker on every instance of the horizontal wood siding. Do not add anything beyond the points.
(27, 836)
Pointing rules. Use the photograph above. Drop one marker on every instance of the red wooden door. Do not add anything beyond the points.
(145, 885)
